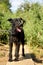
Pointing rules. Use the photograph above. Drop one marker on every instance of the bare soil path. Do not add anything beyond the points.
(27, 60)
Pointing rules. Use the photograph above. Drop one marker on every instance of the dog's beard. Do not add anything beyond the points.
(18, 30)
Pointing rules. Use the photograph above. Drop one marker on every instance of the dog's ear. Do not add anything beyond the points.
(22, 20)
(10, 20)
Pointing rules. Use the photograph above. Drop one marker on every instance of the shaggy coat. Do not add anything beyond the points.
(16, 35)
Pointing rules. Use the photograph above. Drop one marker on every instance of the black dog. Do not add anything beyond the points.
(17, 36)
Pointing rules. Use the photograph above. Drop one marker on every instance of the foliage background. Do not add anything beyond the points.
(33, 27)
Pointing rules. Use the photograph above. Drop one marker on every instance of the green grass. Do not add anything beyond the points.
(37, 51)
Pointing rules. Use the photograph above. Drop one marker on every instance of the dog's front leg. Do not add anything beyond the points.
(10, 47)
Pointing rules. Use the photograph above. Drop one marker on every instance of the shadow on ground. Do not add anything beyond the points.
(35, 59)
(27, 56)
(30, 56)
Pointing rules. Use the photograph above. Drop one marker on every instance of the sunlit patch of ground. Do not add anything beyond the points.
(3, 54)
(37, 55)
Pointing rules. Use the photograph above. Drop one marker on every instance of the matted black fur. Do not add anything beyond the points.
(17, 36)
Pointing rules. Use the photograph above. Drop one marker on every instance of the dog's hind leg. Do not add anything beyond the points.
(23, 54)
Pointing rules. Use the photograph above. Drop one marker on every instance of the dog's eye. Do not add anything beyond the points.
(21, 21)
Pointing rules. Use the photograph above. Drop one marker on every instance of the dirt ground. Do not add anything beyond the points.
(4, 50)
(3, 54)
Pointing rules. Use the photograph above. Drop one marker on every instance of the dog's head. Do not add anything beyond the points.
(17, 23)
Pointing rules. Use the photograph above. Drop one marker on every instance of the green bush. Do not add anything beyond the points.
(33, 27)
